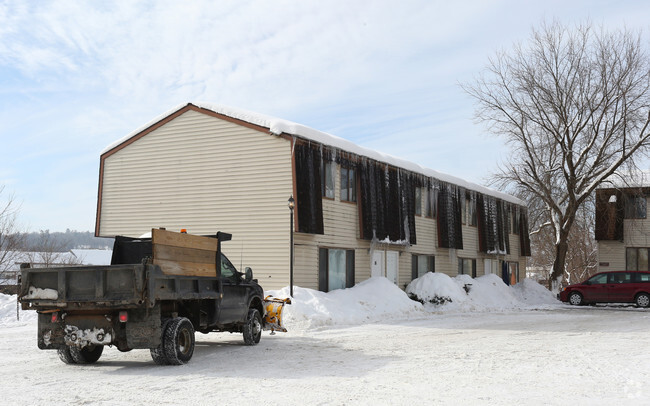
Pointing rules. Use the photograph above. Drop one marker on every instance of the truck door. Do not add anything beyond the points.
(233, 304)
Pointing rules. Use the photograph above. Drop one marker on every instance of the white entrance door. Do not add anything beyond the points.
(377, 264)
(392, 266)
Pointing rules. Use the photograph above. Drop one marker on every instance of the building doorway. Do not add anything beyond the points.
(386, 264)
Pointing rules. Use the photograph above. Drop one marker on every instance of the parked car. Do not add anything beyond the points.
(610, 287)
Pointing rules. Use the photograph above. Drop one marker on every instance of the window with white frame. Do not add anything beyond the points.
(336, 269)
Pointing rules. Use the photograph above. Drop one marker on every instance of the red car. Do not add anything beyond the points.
(610, 287)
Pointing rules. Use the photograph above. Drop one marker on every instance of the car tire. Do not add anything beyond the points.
(86, 355)
(253, 328)
(642, 300)
(575, 299)
(65, 356)
(178, 341)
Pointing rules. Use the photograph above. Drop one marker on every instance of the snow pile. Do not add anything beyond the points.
(436, 288)
(375, 299)
(44, 294)
(480, 294)
(8, 312)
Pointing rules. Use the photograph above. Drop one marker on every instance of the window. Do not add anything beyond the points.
(463, 210)
(227, 268)
(348, 185)
(515, 220)
(471, 212)
(598, 279)
(418, 201)
(421, 264)
(641, 277)
(635, 207)
(424, 203)
(336, 269)
(328, 180)
(636, 259)
(620, 277)
(514, 272)
(467, 266)
(427, 196)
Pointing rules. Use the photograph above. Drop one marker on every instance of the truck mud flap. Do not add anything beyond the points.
(273, 318)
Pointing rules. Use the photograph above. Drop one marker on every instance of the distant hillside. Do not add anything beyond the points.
(65, 241)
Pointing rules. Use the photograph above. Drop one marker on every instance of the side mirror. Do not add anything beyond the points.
(248, 274)
(586, 283)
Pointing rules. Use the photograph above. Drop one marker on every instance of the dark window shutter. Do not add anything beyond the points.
(322, 269)
(432, 263)
(473, 268)
(349, 269)
(414, 267)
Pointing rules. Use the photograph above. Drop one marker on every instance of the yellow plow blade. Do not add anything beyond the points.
(273, 318)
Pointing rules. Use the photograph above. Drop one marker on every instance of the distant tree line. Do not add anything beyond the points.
(64, 241)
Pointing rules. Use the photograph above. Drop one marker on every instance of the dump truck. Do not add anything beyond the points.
(155, 295)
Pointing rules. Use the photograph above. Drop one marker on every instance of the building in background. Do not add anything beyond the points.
(358, 213)
(622, 228)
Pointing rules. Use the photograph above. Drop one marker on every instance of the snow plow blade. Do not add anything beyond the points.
(273, 319)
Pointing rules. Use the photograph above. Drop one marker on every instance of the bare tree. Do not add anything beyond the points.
(49, 251)
(574, 106)
(11, 240)
(581, 257)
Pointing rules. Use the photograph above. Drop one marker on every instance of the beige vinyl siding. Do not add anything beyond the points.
(341, 230)
(612, 252)
(206, 175)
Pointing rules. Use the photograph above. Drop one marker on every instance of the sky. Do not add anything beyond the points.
(75, 76)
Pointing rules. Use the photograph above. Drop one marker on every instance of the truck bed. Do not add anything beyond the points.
(118, 286)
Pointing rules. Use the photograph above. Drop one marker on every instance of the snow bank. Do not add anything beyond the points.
(485, 293)
(8, 312)
(373, 300)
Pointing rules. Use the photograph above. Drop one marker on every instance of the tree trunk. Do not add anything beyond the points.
(561, 249)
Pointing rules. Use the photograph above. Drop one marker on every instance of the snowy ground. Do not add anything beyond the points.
(342, 350)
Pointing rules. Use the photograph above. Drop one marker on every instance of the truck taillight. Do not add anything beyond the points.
(55, 317)
(124, 316)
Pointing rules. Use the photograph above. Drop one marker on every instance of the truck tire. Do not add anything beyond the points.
(86, 355)
(65, 356)
(158, 353)
(178, 341)
(253, 328)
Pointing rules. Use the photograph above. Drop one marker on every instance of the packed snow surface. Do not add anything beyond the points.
(368, 345)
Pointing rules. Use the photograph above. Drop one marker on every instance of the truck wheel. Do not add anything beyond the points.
(65, 356)
(178, 341)
(158, 353)
(253, 328)
(86, 355)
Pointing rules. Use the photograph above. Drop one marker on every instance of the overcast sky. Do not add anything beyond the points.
(76, 76)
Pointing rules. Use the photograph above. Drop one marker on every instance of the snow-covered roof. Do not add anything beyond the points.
(279, 126)
(636, 179)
